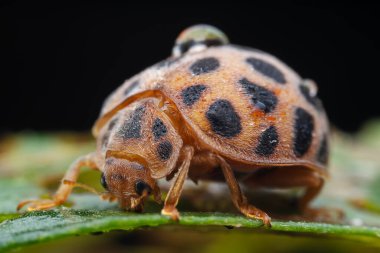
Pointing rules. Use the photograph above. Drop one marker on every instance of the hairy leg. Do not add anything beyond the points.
(175, 190)
(286, 178)
(239, 200)
(64, 190)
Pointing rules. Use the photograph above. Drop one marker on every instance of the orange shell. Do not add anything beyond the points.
(170, 78)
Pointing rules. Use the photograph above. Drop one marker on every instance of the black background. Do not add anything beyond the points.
(60, 61)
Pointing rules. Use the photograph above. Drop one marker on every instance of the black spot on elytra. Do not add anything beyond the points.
(164, 150)
(303, 130)
(268, 141)
(132, 127)
(262, 98)
(131, 87)
(266, 69)
(314, 100)
(323, 152)
(204, 65)
(223, 118)
(159, 129)
(191, 94)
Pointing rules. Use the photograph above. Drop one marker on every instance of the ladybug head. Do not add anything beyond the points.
(130, 182)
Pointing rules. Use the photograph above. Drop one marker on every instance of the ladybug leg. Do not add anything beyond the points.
(285, 178)
(239, 200)
(175, 190)
(64, 190)
(311, 192)
(318, 213)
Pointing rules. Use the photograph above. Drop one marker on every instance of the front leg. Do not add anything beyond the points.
(64, 190)
(239, 200)
(174, 193)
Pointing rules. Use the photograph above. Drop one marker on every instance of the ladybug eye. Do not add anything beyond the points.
(141, 186)
(103, 181)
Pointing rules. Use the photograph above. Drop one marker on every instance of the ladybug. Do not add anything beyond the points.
(208, 112)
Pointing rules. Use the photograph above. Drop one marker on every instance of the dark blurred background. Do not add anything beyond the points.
(60, 61)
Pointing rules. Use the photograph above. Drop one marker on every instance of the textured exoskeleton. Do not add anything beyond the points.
(211, 107)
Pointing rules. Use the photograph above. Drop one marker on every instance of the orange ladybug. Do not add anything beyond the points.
(209, 110)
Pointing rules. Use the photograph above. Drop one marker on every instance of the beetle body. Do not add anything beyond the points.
(210, 108)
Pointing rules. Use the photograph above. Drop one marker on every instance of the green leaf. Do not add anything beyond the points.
(31, 166)
(47, 225)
